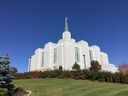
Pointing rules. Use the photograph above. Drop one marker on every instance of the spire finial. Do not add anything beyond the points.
(66, 24)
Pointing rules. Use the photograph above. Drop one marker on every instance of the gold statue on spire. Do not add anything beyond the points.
(66, 24)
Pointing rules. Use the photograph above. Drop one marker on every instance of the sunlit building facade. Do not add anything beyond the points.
(66, 52)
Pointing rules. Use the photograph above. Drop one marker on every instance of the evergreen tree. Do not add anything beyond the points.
(5, 76)
(13, 70)
(60, 68)
(76, 66)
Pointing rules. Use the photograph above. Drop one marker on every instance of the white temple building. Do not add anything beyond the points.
(66, 52)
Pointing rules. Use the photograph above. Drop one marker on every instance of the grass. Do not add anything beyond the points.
(69, 87)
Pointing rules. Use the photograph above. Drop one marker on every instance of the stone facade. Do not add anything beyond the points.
(66, 52)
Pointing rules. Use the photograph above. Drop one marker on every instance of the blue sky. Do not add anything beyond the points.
(28, 24)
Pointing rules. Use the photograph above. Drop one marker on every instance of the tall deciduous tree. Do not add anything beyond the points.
(123, 68)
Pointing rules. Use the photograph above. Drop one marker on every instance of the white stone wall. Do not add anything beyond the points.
(109, 68)
(32, 67)
(104, 58)
(38, 58)
(29, 64)
(66, 55)
(48, 55)
(85, 56)
(95, 53)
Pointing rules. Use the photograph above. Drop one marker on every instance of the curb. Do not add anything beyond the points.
(29, 93)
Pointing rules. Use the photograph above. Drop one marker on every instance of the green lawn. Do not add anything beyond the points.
(69, 87)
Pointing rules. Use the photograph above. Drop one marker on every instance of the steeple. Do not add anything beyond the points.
(66, 34)
(66, 24)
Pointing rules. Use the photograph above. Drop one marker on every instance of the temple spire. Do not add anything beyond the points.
(66, 34)
(66, 24)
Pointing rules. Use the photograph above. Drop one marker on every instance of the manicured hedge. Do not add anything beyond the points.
(77, 74)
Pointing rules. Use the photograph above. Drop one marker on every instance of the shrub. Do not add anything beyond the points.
(101, 76)
(80, 74)
(20, 92)
(93, 75)
(76, 66)
(3, 92)
(108, 76)
(95, 66)
(77, 74)
(60, 68)
(123, 68)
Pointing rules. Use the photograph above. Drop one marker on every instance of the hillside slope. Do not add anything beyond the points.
(69, 87)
